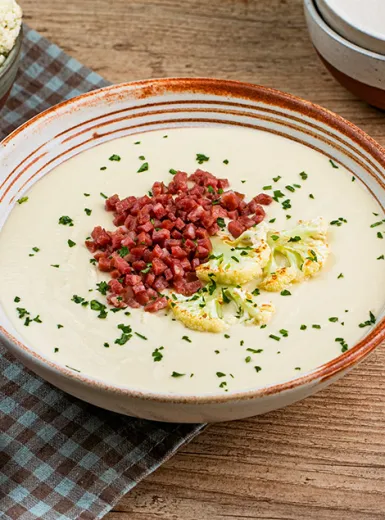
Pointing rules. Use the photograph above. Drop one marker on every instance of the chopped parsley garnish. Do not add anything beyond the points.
(275, 237)
(316, 326)
(295, 239)
(225, 298)
(290, 188)
(126, 334)
(103, 195)
(137, 142)
(303, 327)
(255, 351)
(353, 178)
(277, 194)
(143, 168)
(256, 292)
(243, 182)
(210, 189)
(226, 161)
(106, 345)
(340, 276)
(142, 157)
(22, 200)
(344, 345)
(66, 221)
(333, 319)
(177, 374)
(266, 188)
(276, 179)
(172, 171)
(284, 333)
(140, 336)
(123, 251)
(93, 261)
(380, 235)
(242, 342)
(220, 374)
(86, 194)
(102, 168)
(285, 292)
(381, 257)
(36, 249)
(55, 265)
(333, 164)
(312, 257)
(311, 196)
(201, 158)
(71, 243)
(257, 368)
(56, 350)
(88, 211)
(223, 384)
(226, 336)
(235, 259)
(72, 368)
(368, 323)
(17, 299)
(77, 299)
(157, 354)
(277, 338)
(98, 307)
(102, 287)
(272, 220)
(59, 326)
(286, 204)
(147, 269)
(114, 157)
(221, 222)
(186, 338)
(376, 224)
(303, 176)
(247, 359)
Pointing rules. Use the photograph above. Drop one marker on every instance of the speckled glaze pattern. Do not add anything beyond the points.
(46, 141)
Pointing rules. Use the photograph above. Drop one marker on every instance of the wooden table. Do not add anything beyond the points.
(324, 458)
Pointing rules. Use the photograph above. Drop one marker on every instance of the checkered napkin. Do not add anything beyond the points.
(61, 458)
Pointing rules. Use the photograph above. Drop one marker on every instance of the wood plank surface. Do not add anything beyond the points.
(324, 458)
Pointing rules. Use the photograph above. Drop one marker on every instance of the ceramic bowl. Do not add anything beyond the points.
(50, 138)
(359, 70)
(8, 70)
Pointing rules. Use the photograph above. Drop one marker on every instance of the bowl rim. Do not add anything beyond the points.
(13, 55)
(238, 90)
(313, 11)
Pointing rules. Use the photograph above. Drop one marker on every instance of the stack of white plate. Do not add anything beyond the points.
(349, 36)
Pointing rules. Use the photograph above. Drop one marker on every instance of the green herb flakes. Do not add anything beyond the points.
(22, 200)
(303, 176)
(114, 157)
(333, 164)
(157, 355)
(143, 168)
(186, 338)
(285, 292)
(71, 243)
(177, 374)
(201, 158)
(66, 221)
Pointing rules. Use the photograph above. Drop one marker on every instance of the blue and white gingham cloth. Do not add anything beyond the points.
(61, 458)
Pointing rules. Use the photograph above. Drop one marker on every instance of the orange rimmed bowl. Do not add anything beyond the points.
(84, 122)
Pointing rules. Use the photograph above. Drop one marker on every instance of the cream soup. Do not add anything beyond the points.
(44, 264)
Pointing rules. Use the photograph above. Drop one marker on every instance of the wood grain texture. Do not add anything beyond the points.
(324, 458)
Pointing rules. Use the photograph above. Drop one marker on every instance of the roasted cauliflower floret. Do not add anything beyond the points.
(296, 254)
(249, 311)
(237, 261)
(202, 311)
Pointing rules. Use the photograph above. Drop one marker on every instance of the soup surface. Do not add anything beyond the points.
(44, 264)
